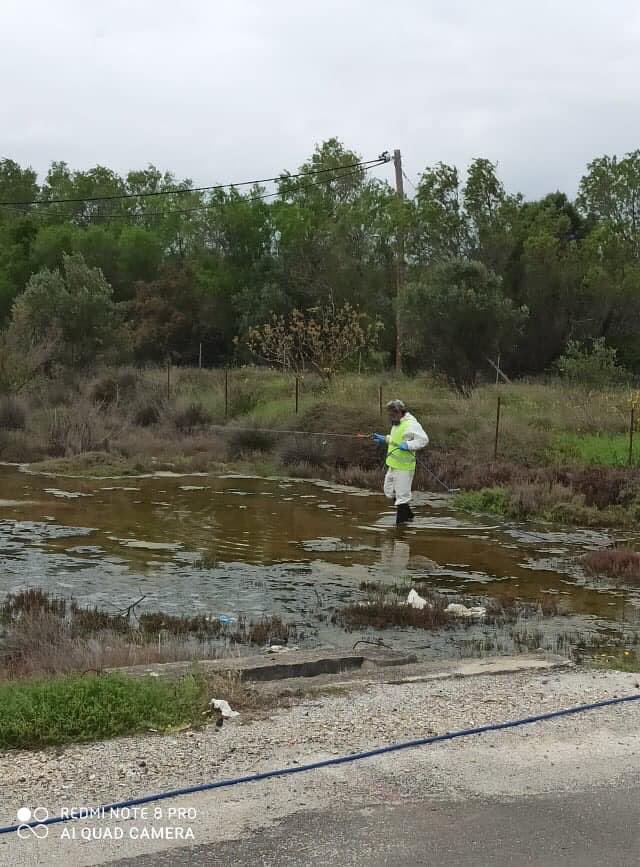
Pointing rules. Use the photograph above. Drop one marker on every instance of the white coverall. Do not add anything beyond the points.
(397, 483)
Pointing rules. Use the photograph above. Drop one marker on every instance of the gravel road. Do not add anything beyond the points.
(597, 748)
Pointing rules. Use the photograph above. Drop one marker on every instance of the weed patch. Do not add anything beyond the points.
(623, 564)
(37, 714)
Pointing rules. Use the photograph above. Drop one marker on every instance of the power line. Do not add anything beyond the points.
(384, 157)
(407, 178)
(213, 205)
(372, 164)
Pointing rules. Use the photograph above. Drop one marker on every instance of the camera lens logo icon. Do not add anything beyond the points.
(31, 822)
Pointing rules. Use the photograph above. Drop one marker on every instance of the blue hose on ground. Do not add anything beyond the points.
(105, 810)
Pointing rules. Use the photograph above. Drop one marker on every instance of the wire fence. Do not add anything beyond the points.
(229, 383)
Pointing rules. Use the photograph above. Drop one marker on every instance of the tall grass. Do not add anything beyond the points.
(47, 635)
(608, 450)
(132, 415)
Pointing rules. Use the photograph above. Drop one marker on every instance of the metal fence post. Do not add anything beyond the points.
(495, 444)
(297, 393)
(169, 379)
(631, 427)
(226, 392)
(380, 398)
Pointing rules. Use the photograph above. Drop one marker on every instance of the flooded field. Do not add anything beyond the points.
(234, 545)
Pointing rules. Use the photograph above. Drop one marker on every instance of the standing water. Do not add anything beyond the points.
(242, 545)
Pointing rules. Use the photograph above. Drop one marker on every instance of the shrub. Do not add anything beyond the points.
(384, 612)
(244, 397)
(303, 470)
(250, 440)
(356, 477)
(533, 498)
(596, 364)
(309, 451)
(192, 418)
(111, 389)
(523, 500)
(74, 431)
(57, 392)
(339, 418)
(322, 338)
(12, 414)
(620, 563)
(602, 487)
(146, 415)
(350, 453)
(577, 514)
(493, 500)
(474, 475)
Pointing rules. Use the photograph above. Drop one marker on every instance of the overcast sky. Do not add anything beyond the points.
(220, 90)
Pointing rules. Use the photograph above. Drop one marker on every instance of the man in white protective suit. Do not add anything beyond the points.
(406, 438)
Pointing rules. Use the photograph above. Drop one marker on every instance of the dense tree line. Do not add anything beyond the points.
(487, 271)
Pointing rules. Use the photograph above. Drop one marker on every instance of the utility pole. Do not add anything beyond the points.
(397, 162)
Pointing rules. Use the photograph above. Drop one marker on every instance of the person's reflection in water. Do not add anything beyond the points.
(394, 558)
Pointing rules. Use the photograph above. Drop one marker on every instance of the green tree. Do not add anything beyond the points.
(456, 317)
(172, 315)
(439, 229)
(17, 237)
(609, 195)
(139, 255)
(17, 185)
(610, 191)
(545, 272)
(73, 308)
(52, 243)
(98, 245)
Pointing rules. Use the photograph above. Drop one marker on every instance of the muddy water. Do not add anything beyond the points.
(245, 545)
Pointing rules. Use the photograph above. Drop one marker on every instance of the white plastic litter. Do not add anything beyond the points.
(457, 610)
(415, 600)
(223, 708)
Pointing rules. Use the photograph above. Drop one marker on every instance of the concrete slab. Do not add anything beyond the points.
(490, 665)
(285, 665)
(422, 672)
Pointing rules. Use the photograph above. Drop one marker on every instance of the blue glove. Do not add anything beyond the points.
(404, 447)
(379, 439)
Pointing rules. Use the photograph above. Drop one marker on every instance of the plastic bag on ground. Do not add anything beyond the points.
(223, 708)
(458, 610)
(416, 601)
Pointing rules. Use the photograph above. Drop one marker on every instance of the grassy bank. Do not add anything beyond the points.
(54, 688)
(74, 708)
(621, 660)
(552, 502)
(49, 635)
(125, 422)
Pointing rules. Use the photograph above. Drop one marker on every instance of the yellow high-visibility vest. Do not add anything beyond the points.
(396, 458)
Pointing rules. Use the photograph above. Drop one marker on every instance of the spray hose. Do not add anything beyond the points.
(109, 809)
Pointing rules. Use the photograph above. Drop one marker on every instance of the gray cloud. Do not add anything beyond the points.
(218, 90)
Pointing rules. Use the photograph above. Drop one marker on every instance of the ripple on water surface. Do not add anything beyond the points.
(247, 545)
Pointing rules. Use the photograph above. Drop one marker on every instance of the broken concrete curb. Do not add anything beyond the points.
(323, 666)
(284, 666)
